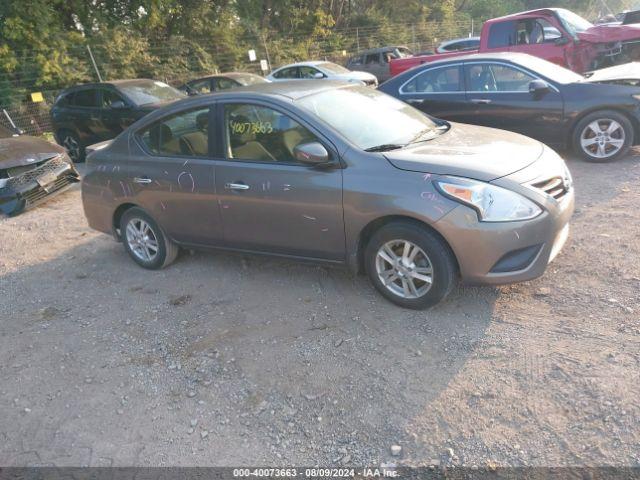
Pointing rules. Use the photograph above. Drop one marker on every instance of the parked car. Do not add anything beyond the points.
(376, 61)
(320, 70)
(459, 44)
(221, 81)
(338, 173)
(31, 170)
(90, 113)
(598, 116)
(553, 34)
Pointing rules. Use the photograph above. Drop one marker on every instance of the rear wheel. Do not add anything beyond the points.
(71, 143)
(410, 265)
(603, 136)
(144, 240)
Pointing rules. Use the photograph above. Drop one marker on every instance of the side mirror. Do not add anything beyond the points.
(118, 105)
(312, 153)
(561, 41)
(538, 88)
(318, 75)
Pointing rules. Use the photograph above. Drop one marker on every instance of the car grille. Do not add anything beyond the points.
(39, 193)
(557, 187)
(20, 176)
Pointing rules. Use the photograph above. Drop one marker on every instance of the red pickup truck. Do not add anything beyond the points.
(555, 34)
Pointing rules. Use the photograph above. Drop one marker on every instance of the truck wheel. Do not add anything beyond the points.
(603, 136)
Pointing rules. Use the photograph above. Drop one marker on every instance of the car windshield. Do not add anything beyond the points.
(333, 67)
(553, 72)
(368, 118)
(150, 92)
(572, 22)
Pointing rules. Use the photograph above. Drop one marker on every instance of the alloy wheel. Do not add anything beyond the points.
(602, 138)
(142, 240)
(72, 146)
(404, 269)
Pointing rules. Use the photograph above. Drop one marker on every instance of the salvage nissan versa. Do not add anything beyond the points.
(337, 173)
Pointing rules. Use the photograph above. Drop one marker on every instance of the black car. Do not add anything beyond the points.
(90, 113)
(31, 170)
(597, 115)
(222, 81)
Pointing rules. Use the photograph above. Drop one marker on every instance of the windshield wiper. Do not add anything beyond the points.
(385, 147)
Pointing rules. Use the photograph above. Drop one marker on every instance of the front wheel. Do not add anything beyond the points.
(410, 265)
(71, 143)
(603, 136)
(144, 240)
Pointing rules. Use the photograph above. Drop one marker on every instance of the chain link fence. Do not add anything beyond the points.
(177, 60)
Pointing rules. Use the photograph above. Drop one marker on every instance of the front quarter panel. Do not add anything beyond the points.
(374, 189)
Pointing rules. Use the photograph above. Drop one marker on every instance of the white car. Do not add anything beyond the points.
(320, 69)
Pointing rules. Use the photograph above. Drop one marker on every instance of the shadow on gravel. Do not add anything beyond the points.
(280, 362)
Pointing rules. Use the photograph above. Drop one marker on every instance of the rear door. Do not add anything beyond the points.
(439, 91)
(499, 94)
(269, 201)
(171, 173)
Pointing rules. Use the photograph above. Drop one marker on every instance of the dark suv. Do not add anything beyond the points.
(90, 113)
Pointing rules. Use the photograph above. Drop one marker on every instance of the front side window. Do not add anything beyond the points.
(535, 31)
(367, 117)
(225, 84)
(372, 58)
(181, 134)
(308, 72)
(109, 97)
(437, 80)
(200, 86)
(497, 78)
(262, 134)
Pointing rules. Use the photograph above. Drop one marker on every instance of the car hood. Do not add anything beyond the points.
(626, 71)
(469, 151)
(608, 33)
(356, 74)
(26, 150)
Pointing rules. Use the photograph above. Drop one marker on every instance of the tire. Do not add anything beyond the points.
(434, 254)
(70, 141)
(140, 250)
(613, 145)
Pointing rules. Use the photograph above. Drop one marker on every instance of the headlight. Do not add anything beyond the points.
(492, 203)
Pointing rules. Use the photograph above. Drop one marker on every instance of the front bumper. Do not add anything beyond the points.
(481, 247)
(36, 185)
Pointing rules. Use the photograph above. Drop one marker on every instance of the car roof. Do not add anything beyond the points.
(527, 12)
(114, 83)
(309, 63)
(461, 39)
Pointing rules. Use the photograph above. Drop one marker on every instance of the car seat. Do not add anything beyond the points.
(196, 143)
(245, 145)
(162, 139)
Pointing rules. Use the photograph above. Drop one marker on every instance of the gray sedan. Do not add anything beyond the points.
(335, 173)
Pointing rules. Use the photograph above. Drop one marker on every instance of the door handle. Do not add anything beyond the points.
(142, 180)
(236, 186)
(481, 101)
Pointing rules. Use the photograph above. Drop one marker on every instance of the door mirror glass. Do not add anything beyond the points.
(538, 87)
(312, 153)
(118, 105)
(318, 75)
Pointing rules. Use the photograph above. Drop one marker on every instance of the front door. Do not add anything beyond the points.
(171, 174)
(116, 114)
(499, 94)
(269, 201)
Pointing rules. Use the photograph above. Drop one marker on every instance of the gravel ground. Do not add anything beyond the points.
(232, 360)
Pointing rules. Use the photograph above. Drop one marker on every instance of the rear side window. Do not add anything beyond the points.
(502, 34)
(356, 61)
(225, 84)
(291, 72)
(262, 134)
(437, 80)
(182, 134)
(85, 98)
